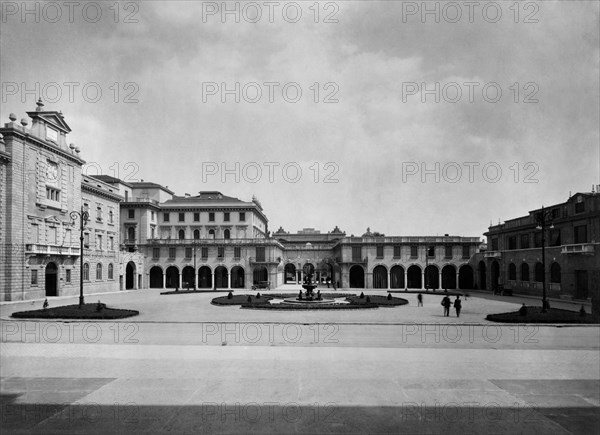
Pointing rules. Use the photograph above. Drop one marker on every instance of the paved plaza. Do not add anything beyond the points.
(186, 366)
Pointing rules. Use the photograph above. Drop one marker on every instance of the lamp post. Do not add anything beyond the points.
(543, 219)
(195, 271)
(83, 217)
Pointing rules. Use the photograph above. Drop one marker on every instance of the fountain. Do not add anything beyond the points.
(309, 297)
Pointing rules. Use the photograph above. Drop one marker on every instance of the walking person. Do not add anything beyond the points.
(446, 304)
(420, 300)
(457, 305)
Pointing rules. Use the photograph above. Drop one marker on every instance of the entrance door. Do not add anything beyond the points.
(129, 275)
(51, 279)
(581, 284)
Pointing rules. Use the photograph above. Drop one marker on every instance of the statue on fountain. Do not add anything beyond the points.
(308, 285)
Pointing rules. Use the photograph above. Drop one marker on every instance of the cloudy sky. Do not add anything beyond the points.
(357, 114)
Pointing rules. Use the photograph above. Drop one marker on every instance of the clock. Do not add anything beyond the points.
(52, 171)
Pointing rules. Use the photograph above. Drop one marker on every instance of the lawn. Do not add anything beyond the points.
(552, 315)
(87, 311)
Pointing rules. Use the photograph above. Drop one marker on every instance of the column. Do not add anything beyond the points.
(180, 279)
(423, 280)
(389, 279)
(164, 280)
(214, 283)
(406, 277)
(440, 278)
(457, 281)
(195, 279)
(229, 280)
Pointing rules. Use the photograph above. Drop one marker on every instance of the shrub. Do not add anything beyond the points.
(368, 299)
(362, 295)
(249, 298)
(230, 295)
(257, 295)
(389, 297)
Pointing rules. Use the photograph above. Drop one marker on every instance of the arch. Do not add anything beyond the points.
(413, 276)
(432, 277)
(156, 277)
(357, 277)
(308, 268)
(397, 277)
(289, 273)
(51, 274)
(111, 271)
(259, 274)
(539, 272)
(211, 234)
(482, 275)
(131, 234)
(99, 272)
(555, 272)
(449, 277)
(188, 277)
(221, 277)
(204, 277)
(380, 277)
(86, 272)
(227, 234)
(196, 234)
(495, 275)
(524, 272)
(512, 272)
(465, 277)
(130, 275)
(238, 277)
(181, 234)
(172, 275)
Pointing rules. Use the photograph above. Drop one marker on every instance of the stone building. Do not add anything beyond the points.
(572, 239)
(42, 184)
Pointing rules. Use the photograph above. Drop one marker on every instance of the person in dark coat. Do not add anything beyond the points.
(420, 300)
(446, 303)
(457, 305)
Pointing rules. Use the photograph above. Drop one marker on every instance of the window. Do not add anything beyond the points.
(188, 252)
(98, 271)
(131, 234)
(196, 217)
(99, 242)
(111, 217)
(397, 251)
(131, 213)
(110, 271)
(495, 244)
(126, 195)
(86, 272)
(52, 236)
(172, 252)
(448, 251)
(579, 205)
(99, 213)
(414, 251)
(155, 253)
(68, 276)
(431, 251)
(555, 213)
(35, 234)
(181, 217)
(537, 240)
(196, 234)
(554, 238)
(34, 277)
(166, 217)
(181, 234)
(227, 234)
(152, 215)
(242, 216)
(226, 216)
(211, 217)
(204, 253)
(221, 252)
(512, 242)
(466, 251)
(86, 207)
(86, 240)
(580, 234)
(237, 252)
(357, 253)
(211, 234)
(512, 272)
(524, 272)
(524, 241)
(380, 251)
(111, 243)
(52, 194)
(260, 253)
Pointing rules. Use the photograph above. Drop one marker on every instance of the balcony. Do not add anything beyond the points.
(492, 254)
(212, 242)
(353, 261)
(51, 250)
(264, 261)
(580, 248)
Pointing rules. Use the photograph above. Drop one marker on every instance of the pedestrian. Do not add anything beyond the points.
(446, 304)
(457, 305)
(420, 300)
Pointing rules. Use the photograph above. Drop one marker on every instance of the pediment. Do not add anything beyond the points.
(54, 119)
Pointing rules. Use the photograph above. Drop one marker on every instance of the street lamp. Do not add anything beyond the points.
(543, 219)
(83, 217)
(427, 251)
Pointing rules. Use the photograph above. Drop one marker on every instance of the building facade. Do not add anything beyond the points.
(42, 185)
(571, 241)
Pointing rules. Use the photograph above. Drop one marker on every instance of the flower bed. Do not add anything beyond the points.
(87, 311)
(552, 315)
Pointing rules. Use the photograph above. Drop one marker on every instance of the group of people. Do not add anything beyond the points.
(446, 303)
